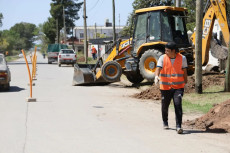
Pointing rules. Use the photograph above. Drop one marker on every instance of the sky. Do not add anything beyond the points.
(37, 12)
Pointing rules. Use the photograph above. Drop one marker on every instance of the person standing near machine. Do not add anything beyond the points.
(171, 73)
(94, 52)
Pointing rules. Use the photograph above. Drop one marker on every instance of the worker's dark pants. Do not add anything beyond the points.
(166, 96)
(94, 56)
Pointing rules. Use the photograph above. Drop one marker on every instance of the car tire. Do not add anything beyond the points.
(49, 62)
(7, 87)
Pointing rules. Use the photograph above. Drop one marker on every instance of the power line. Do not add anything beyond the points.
(93, 6)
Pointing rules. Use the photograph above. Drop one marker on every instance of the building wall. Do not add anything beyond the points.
(91, 31)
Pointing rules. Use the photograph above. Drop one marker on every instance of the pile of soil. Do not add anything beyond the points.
(151, 93)
(216, 120)
(81, 59)
(208, 79)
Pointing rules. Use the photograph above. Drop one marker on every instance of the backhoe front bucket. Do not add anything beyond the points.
(84, 74)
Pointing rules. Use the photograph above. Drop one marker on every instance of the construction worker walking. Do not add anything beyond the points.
(171, 73)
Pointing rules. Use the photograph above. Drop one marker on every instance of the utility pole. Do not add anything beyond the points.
(85, 35)
(119, 23)
(64, 23)
(73, 39)
(227, 77)
(57, 32)
(114, 30)
(198, 47)
(95, 30)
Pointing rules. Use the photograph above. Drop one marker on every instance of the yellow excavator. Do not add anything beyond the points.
(137, 57)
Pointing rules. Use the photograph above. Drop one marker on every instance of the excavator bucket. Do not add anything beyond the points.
(85, 74)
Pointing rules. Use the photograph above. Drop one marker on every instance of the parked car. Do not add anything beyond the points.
(67, 56)
(5, 75)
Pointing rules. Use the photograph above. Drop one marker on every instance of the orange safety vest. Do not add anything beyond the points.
(172, 76)
(94, 51)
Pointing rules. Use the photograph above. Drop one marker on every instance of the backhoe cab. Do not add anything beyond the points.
(137, 57)
(153, 28)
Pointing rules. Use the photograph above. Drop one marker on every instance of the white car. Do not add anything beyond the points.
(5, 75)
(67, 56)
(20, 55)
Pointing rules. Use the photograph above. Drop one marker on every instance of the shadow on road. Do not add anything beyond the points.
(23, 63)
(138, 85)
(217, 131)
(13, 89)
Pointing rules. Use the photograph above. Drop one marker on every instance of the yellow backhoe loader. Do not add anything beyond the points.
(137, 57)
(214, 10)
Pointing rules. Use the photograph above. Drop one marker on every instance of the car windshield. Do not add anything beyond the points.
(67, 51)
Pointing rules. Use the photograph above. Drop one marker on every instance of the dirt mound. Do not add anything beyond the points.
(207, 80)
(81, 59)
(216, 120)
(151, 93)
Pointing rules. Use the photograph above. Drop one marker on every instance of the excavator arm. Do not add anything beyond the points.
(215, 9)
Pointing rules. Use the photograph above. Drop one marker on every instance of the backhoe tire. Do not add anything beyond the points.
(111, 71)
(134, 77)
(148, 63)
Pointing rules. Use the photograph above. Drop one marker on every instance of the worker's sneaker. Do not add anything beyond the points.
(179, 130)
(165, 125)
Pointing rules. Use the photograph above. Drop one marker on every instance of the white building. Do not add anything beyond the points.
(95, 32)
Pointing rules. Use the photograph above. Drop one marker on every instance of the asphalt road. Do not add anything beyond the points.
(84, 119)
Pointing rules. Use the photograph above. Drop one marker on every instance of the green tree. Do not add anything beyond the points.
(3, 42)
(11, 38)
(191, 20)
(71, 9)
(138, 4)
(1, 17)
(27, 33)
(42, 38)
(49, 29)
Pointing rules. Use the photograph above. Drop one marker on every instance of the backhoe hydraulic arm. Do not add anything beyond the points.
(215, 9)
